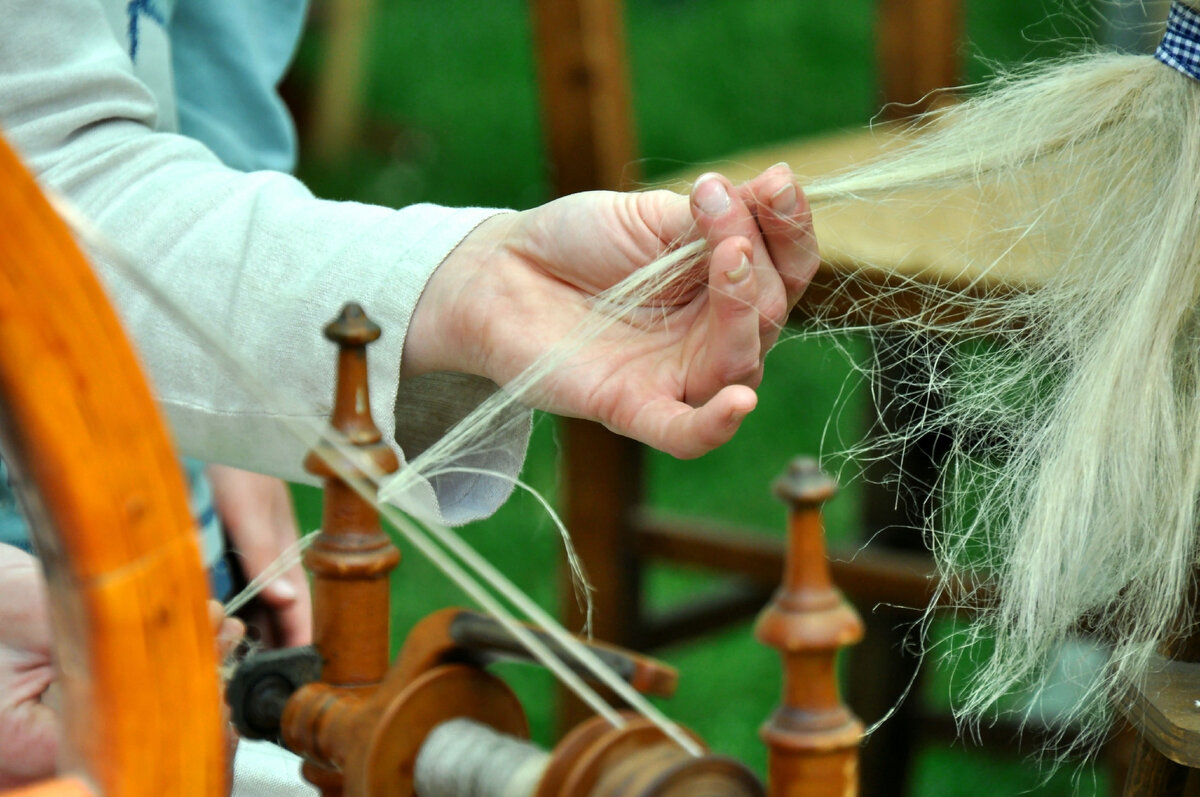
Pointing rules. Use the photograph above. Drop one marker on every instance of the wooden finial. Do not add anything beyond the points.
(812, 737)
(352, 331)
(352, 557)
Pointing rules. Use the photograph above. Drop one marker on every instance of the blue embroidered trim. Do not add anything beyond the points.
(135, 9)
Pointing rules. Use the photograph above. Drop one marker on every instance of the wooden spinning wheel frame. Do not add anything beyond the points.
(105, 496)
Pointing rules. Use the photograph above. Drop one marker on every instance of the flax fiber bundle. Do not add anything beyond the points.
(1069, 497)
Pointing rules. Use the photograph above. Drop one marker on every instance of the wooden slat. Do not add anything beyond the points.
(337, 114)
(738, 602)
(867, 575)
(604, 480)
(584, 86)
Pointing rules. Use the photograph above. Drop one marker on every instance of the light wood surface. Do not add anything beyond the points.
(947, 238)
(1166, 710)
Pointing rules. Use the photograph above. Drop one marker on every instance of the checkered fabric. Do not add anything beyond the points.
(1180, 45)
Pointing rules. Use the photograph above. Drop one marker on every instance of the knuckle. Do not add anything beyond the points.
(741, 369)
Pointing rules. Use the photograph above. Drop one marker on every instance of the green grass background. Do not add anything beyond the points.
(452, 95)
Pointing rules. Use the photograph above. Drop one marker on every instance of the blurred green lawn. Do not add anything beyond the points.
(453, 97)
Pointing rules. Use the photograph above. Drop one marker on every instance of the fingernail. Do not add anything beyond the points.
(736, 275)
(284, 591)
(783, 164)
(783, 201)
(710, 195)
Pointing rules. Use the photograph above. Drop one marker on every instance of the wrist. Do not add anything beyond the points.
(448, 328)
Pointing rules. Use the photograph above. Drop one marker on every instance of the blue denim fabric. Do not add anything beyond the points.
(14, 530)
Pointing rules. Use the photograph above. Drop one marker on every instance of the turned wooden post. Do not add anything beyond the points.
(352, 558)
(812, 737)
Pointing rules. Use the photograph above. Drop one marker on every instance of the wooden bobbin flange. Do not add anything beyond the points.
(638, 760)
(812, 737)
(371, 743)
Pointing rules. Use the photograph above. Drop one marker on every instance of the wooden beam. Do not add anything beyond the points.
(868, 575)
(918, 52)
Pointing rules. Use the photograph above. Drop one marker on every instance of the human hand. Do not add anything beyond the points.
(257, 514)
(29, 710)
(680, 375)
(29, 728)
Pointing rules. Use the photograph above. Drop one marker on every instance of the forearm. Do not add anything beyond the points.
(267, 265)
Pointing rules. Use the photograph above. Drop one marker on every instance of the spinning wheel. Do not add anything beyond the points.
(98, 478)
(436, 723)
(135, 652)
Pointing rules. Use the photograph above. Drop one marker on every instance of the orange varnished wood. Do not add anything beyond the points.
(59, 787)
(350, 561)
(106, 497)
(812, 738)
(352, 558)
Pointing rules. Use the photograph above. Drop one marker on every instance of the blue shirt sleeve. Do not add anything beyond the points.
(228, 58)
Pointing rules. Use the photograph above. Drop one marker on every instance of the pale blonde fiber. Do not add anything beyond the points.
(1070, 494)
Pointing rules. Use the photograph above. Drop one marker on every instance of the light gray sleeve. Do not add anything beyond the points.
(255, 256)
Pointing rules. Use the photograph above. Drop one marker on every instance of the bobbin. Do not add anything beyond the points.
(461, 759)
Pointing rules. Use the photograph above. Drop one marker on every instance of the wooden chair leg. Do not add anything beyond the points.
(879, 673)
(603, 487)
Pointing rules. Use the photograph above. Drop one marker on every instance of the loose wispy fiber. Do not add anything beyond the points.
(1073, 407)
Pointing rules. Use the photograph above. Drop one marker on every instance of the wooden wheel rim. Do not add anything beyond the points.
(98, 477)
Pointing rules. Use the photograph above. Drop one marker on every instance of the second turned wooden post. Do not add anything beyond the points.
(812, 737)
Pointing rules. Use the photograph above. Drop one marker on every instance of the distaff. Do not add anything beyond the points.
(1070, 492)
